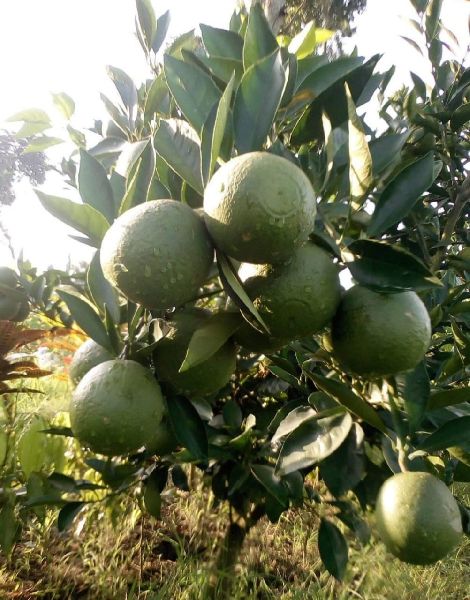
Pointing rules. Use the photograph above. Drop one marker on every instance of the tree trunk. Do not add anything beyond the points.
(223, 574)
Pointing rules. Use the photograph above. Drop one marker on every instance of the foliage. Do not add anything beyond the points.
(15, 164)
(391, 212)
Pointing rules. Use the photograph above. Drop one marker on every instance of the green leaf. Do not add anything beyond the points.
(460, 117)
(94, 186)
(101, 290)
(30, 115)
(360, 161)
(163, 22)
(222, 43)
(345, 468)
(30, 129)
(129, 157)
(414, 388)
(234, 288)
(157, 100)
(271, 482)
(259, 38)
(139, 186)
(346, 397)
(64, 103)
(86, 317)
(256, 102)
(177, 143)
(213, 132)
(193, 90)
(401, 194)
(433, 13)
(305, 42)
(82, 217)
(118, 185)
(146, 21)
(186, 41)
(206, 340)
(32, 447)
(383, 267)
(67, 514)
(127, 91)
(152, 495)
(188, 426)
(442, 398)
(116, 114)
(292, 419)
(10, 528)
(312, 441)
(386, 151)
(108, 147)
(42, 143)
(452, 433)
(333, 549)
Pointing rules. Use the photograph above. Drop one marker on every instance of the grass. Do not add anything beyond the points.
(137, 557)
(114, 552)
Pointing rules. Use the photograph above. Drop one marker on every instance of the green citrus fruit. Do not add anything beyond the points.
(86, 357)
(380, 334)
(8, 277)
(23, 311)
(9, 307)
(259, 208)
(298, 298)
(116, 407)
(203, 379)
(417, 517)
(163, 440)
(157, 254)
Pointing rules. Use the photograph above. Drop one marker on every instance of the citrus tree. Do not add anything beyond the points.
(231, 198)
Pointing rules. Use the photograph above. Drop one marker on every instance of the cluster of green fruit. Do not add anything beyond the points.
(14, 305)
(259, 209)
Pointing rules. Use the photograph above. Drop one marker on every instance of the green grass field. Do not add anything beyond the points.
(114, 552)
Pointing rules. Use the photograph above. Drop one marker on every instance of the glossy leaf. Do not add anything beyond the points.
(234, 288)
(265, 475)
(127, 91)
(139, 186)
(383, 267)
(213, 132)
(163, 23)
(157, 101)
(312, 441)
(259, 38)
(305, 42)
(414, 388)
(386, 150)
(209, 338)
(452, 433)
(360, 161)
(333, 549)
(129, 157)
(101, 290)
(86, 318)
(460, 117)
(347, 398)
(94, 186)
(193, 90)
(67, 514)
(293, 419)
(10, 528)
(401, 194)
(82, 217)
(146, 21)
(42, 143)
(32, 447)
(176, 142)
(345, 468)
(256, 102)
(64, 103)
(30, 115)
(188, 426)
(442, 398)
(222, 43)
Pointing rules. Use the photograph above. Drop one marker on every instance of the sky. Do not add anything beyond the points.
(64, 46)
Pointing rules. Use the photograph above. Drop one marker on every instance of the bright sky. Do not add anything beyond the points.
(64, 45)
